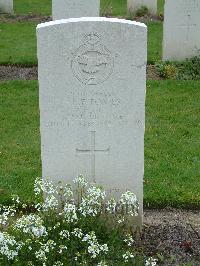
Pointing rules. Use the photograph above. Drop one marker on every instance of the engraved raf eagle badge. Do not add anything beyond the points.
(92, 63)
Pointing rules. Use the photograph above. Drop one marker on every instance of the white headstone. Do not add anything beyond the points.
(181, 37)
(134, 5)
(92, 82)
(64, 9)
(6, 6)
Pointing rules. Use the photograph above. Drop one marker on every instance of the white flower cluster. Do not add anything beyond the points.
(50, 203)
(61, 248)
(80, 180)
(120, 221)
(129, 203)
(44, 186)
(111, 206)
(67, 193)
(77, 232)
(28, 243)
(69, 213)
(92, 201)
(31, 224)
(151, 262)
(9, 246)
(129, 240)
(94, 247)
(48, 188)
(127, 256)
(16, 199)
(64, 234)
(6, 212)
(41, 254)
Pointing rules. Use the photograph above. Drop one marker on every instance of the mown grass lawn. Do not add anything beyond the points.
(172, 158)
(39, 7)
(20, 144)
(119, 7)
(155, 36)
(161, 6)
(18, 43)
(171, 142)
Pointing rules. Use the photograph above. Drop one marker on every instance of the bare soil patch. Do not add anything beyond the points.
(152, 73)
(39, 19)
(17, 73)
(24, 18)
(147, 18)
(173, 233)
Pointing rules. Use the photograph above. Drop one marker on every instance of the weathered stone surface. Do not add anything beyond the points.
(92, 82)
(134, 5)
(64, 9)
(181, 38)
(6, 6)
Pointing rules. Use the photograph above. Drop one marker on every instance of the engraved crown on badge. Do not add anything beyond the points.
(92, 62)
(92, 38)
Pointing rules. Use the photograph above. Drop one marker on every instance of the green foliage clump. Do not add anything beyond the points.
(167, 70)
(189, 69)
(186, 70)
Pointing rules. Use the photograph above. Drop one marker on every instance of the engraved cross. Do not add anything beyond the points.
(92, 151)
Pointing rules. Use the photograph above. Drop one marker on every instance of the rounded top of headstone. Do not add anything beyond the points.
(91, 19)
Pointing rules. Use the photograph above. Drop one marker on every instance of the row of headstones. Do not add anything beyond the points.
(181, 24)
(68, 8)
